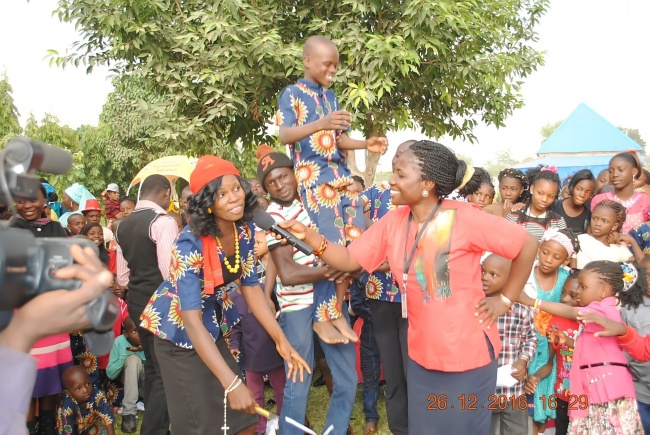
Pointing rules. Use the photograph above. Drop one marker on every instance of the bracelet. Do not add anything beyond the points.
(232, 387)
(537, 303)
(323, 246)
(505, 300)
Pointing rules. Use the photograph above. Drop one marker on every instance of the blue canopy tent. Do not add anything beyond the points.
(585, 140)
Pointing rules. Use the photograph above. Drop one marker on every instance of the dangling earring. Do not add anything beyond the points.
(209, 210)
(425, 193)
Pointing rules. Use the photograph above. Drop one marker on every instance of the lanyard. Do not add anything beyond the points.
(408, 260)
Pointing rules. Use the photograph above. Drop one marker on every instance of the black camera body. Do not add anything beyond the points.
(28, 264)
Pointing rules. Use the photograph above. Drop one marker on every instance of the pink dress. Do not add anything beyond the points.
(53, 356)
(637, 208)
(589, 377)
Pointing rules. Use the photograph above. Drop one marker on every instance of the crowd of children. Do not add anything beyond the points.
(557, 361)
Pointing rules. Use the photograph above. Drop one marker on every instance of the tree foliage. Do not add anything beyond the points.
(9, 125)
(217, 67)
(502, 161)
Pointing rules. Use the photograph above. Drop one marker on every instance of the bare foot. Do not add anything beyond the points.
(371, 427)
(329, 334)
(344, 328)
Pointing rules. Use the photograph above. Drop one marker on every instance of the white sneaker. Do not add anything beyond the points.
(140, 406)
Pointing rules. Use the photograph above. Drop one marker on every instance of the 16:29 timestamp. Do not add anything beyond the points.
(502, 402)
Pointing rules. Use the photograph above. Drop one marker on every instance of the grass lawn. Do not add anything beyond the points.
(318, 401)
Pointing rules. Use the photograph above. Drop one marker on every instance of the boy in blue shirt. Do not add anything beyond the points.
(126, 363)
(315, 128)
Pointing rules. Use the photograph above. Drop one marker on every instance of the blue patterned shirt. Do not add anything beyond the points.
(317, 159)
(641, 233)
(380, 286)
(73, 418)
(183, 290)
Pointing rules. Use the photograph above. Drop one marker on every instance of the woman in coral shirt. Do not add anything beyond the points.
(452, 347)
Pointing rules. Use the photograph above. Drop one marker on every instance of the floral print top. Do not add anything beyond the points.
(183, 290)
(73, 418)
(381, 286)
(317, 159)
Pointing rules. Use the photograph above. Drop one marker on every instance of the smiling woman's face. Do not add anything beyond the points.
(29, 209)
(229, 200)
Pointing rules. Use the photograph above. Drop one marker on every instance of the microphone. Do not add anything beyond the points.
(27, 154)
(265, 221)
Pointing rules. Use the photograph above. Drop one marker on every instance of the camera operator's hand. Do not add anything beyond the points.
(59, 311)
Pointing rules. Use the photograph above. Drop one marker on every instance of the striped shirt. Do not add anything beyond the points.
(537, 225)
(296, 297)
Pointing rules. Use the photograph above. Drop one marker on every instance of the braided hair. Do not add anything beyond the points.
(202, 222)
(480, 177)
(618, 209)
(517, 175)
(440, 165)
(540, 173)
(612, 274)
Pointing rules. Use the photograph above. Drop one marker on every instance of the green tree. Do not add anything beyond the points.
(634, 134)
(50, 130)
(548, 129)
(9, 125)
(218, 67)
(503, 160)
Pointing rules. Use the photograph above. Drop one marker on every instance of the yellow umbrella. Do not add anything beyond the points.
(172, 167)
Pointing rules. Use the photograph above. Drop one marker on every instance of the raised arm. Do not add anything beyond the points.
(555, 308)
(335, 255)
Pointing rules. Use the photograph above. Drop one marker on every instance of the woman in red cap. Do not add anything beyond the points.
(214, 251)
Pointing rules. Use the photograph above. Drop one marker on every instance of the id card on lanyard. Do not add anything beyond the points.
(408, 260)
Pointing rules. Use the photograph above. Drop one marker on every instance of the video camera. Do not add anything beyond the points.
(27, 263)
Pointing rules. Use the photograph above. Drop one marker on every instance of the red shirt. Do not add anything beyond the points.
(638, 347)
(564, 356)
(443, 333)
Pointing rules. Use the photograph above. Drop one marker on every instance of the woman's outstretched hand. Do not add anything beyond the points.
(294, 361)
(490, 309)
(611, 328)
(301, 231)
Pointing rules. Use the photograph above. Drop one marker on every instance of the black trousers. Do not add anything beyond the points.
(561, 418)
(391, 334)
(156, 417)
(196, 396)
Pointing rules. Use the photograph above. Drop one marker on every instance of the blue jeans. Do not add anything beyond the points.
(371, 371)
(297, 326)
(644, 413)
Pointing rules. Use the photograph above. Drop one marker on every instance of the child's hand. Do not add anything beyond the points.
(337, 120)
(611, 328)
(377, 145)
(134, 348)
(531, 384)
(235, 353)
(519, 369)
(555, 335)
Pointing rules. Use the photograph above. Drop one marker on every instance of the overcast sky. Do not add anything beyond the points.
(596, 53)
